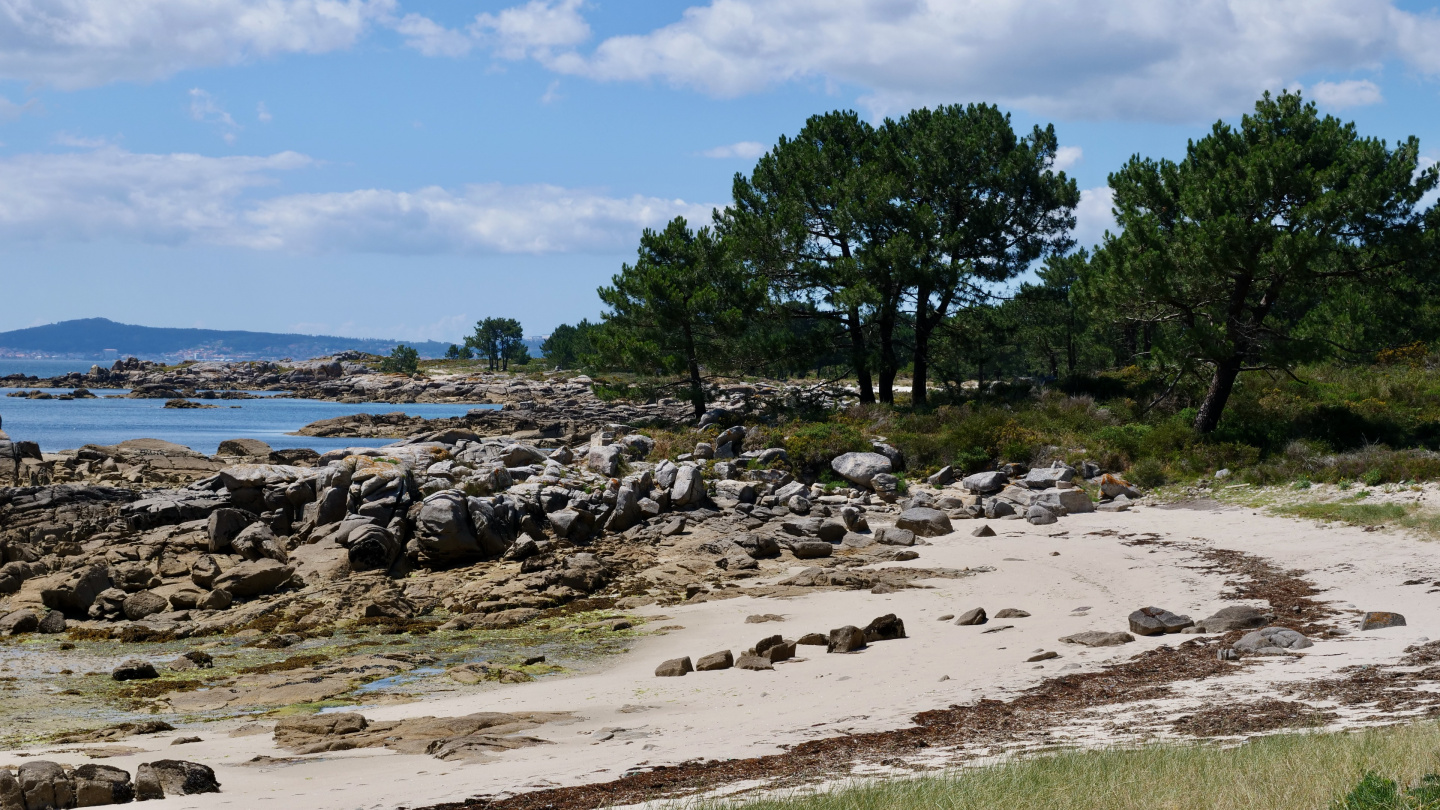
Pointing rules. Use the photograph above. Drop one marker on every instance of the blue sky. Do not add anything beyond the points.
(399, 168)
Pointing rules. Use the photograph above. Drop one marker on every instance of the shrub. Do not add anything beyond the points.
(1148, 472)
(402, 360)
(813, 446)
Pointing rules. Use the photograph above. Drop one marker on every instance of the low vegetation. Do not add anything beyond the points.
(1382, 769)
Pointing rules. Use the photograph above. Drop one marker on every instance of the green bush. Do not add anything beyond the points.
(402, 360)
(813, 446)
(1148, 472)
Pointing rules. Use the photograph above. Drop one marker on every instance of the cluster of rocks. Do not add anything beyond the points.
(773, 649)
(1040, 495)
(45, 785)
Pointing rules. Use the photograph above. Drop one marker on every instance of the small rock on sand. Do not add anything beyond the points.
(1044, 656)
(1011, 613)
(761, 618)
(814, 640)
(1376, 620)
(135, 669)
(674, 668)
(846, 639)
(983, 531)
(974, 616)
(714, 661)
(1098, 638)
(755, 663)
(1154, 621)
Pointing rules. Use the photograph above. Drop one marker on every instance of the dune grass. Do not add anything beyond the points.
(1301, 771)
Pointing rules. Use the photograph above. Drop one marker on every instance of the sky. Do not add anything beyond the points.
(402, 168)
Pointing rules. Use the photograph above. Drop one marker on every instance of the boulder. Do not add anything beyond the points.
(972, 617)
(1376, 620)
(77, 591)
(51, 623)
(254, 577)
(674, 668)
(757, 546)
(996, 509)
(173, 777)
(811, 549)
(215, 600)
(689, 489)
(895, 536)
(519, 455)
(1154, 621)
(714, 661)
(1271, 641)
(626, 512)
(11, 797)
(1072, 501)
(1037, 515)
(1234, 617)
(754, 663)
(884, 628)
(97, 785)
(18, 622)
(572, 524)
(983, 531)
(331, 505)
(258, 541)
(605, 459)
(1113, 486)
(813, 640)
(443, 529)
(861, 468)
(945, 476)
(45, 785)
(1047, 477)
(204, 570)
(845, 639)
(371, 548)
(985, 483)
(134, 669)
(245, 448)
(924, 521)
(138, 606)
(1098, 638)
(224, 526)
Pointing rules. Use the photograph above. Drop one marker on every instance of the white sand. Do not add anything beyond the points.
(738, 713)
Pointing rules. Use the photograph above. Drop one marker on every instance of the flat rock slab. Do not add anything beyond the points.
(1098, 638)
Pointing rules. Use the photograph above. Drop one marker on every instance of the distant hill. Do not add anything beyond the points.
(101, 338)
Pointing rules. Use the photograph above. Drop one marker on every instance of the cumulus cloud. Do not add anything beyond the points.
(534, 29)
(1170, 60)
(1066, 157)
(432, 39)
(747, 150)
(109, 193)
(84, 43)
(1094, 216)
(1339, 95)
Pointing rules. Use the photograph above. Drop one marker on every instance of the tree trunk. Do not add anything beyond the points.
(859, 358)
(888, 363)
(1219, 393)
(697, 394)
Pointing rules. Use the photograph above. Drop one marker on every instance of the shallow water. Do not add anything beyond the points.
(110, 419)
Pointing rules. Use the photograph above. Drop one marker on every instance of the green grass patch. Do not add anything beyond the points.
(1355, 514)
(1299, 771)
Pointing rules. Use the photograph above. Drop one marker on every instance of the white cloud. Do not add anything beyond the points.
(432, 39)
(1339, 95)
(109, 193)
(205, 109)
(9, 110)
(747, 150)
(262, 113)
(482, 218)
(1066, 157)
(534, 29)
(84, 43)
(1094, 216)
(78, 141)
(1171, 60)
(552, 93)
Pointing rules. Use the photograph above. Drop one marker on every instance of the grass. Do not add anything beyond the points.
(1300, 771)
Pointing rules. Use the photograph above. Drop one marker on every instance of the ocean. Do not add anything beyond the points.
(110, 419)
(48, 368)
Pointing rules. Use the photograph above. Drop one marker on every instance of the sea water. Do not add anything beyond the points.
(111, 419)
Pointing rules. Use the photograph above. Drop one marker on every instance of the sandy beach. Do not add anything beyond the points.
(1087, 573)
